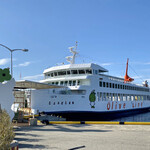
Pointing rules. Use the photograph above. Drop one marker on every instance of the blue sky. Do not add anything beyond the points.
(108, 32)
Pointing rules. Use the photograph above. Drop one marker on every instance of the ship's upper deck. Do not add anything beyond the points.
(76, 67)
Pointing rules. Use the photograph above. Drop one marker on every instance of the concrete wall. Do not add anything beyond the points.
(6, 96)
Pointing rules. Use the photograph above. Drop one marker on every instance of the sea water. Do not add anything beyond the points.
(143, 117)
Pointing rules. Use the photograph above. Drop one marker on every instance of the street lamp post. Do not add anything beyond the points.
(11, 51)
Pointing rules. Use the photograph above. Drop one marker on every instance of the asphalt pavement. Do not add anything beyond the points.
(83, 137)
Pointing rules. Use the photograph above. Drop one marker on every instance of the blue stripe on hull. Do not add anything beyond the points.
(96, 116)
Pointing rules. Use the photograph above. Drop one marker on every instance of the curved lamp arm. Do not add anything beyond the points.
(12, 50)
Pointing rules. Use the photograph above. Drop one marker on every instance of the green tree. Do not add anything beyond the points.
(4, 75)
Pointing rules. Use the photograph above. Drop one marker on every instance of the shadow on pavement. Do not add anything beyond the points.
(62, 128)
(31, 146)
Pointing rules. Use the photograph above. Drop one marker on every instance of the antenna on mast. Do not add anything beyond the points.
(76, 45)
(73, 49)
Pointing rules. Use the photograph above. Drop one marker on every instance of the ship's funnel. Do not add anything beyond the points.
(126, 77)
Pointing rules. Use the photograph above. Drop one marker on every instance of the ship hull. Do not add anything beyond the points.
(79, 108)
(97, 116)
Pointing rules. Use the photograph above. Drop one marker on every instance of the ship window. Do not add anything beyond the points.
(52, 82)
(148, 97)
(119, 97)
(55, 73)
(61, 103)
(68, 71)
(66, 82)
(116, 86)
(115, 97)
(51, 74)
(139, 98)
(110, 85)
(56, 83)
(61, 83)
(128, 98)
(104, 96)
(124, 97)
(78, 83)
(70, 83)
(132, 98)
(123, 86)
(62, 73)
(113, 85)
(98, 96)
(81, 71)
(120, 86)
(77, 92)
(107, 96)
(89, 71)
(74, 72)
(107, 84)
(103, 84)
(101, 96)
(74, 83)
(100, 84)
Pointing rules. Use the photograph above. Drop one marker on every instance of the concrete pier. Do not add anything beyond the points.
(84, 137)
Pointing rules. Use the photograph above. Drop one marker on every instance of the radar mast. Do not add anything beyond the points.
(71, 59)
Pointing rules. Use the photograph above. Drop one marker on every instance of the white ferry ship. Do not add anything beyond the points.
(86, 92)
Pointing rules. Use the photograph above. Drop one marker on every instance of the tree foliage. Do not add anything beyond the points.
(6, 131)
(4, 75)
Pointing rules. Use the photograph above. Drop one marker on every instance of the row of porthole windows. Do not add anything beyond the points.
(120, 86)
(66, 83)
(60, 103)
(120, 97)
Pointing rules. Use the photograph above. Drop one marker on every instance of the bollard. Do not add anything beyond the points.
(32, 122)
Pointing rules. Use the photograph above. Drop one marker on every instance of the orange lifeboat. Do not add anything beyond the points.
(126, 77)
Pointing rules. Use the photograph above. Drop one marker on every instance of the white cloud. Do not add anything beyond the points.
(4, 61)
(137, 77)
(24, 64)
(27, 63)
(35, 77)
(106, 64)
(141, 63)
